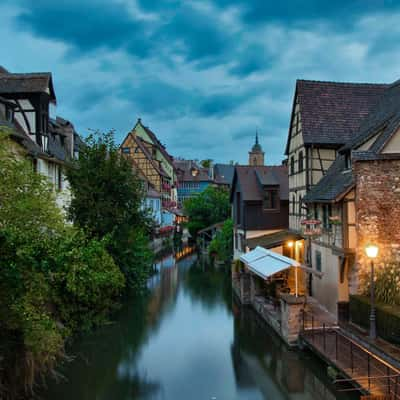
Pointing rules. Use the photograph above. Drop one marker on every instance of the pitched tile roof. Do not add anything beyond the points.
(40, 82)
(383, 119)
(223, 173)
(185, 168)
(331, 112)
(335, 183)
(251, 179)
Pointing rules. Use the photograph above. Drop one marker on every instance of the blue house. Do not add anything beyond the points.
(192, 179)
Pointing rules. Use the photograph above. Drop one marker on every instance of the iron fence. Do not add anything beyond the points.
(365, 370)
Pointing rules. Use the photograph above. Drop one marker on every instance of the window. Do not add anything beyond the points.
(318, 261)
(316, 215)
(326, 213)
(271, 199)
(9, 114)
(293, 204)
(300, 200)
(292, 165)
(301, 161)
(126, 150)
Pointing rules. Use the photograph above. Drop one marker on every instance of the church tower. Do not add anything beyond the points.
(256, 155)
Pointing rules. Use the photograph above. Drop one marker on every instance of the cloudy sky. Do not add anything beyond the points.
(203, 74)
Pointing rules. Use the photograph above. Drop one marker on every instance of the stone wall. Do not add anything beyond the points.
(377, 212)
(291, 317)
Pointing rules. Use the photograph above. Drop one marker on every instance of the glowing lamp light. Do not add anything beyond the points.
(371, 250)
(290, 244)
(299, 243)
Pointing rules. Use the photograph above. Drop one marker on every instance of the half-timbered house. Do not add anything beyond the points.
(49, 143)
(325, 116)
(149, 155)
(358, 203)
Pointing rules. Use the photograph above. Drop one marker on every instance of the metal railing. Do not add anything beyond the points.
(365, 370)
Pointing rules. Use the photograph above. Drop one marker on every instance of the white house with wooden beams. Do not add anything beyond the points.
(325, 116)
(49, 142)
(360, 190)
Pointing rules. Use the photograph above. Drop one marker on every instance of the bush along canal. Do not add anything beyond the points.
(188, 339)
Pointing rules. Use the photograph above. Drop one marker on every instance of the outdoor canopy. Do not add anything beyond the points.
(265, 263)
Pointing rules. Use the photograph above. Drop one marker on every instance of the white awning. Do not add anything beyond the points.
(265, 263)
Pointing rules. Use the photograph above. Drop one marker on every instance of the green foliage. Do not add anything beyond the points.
(207, 163)
(387, 317)
(107, 194)
(209, 207)
(53, 279)
(387, 283)
(222, 244)
(87, 282)
(107, 199)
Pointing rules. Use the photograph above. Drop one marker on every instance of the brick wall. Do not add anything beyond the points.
(377, 212)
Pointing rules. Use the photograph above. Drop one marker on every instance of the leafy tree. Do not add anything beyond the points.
(209, 207)
(107, 198)
(53, 279)
(222, 244)
(207, 163)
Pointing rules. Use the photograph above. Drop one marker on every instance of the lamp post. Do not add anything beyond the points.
(372, 252)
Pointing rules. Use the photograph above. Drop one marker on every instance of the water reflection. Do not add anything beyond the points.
(186, 340)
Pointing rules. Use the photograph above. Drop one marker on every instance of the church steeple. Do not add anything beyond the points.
(256, 155)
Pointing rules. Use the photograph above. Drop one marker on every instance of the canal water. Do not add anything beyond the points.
(188, 340)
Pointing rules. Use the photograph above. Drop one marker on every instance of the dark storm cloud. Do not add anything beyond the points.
(199, 68)
(170, 101)
(85, 25)
(252, 58)
(339, 12)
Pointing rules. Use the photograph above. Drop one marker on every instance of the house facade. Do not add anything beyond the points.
(357, 203)
(324, 117)
(192, 179)
(50, 143)
(149, 155)
(259, 199)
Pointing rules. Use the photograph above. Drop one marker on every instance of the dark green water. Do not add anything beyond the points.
(188, 340)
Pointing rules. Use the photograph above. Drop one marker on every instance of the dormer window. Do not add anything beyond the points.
(271, 199)
(195, 172)
(292, 165)
(9, 114)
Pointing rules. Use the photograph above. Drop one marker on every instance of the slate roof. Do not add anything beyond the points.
(251, 179)
(223, 174)
(40, 82)
(332, 112)
(184, 171)
(333, 185)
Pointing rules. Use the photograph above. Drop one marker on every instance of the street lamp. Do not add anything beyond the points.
(372, 252)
